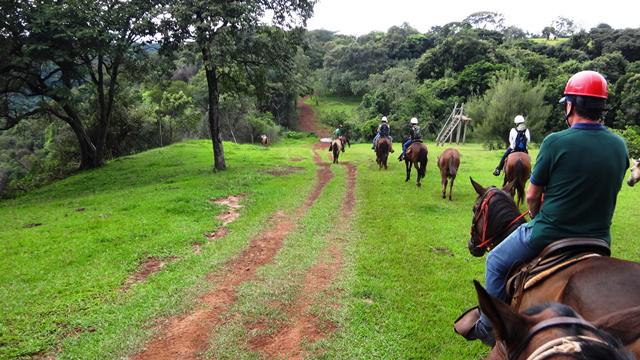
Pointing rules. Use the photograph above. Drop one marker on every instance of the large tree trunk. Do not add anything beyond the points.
(88, 156)
(214, 119)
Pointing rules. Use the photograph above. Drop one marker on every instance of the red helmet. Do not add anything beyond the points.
(587, 83)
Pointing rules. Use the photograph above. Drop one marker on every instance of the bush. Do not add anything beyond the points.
(632, 137)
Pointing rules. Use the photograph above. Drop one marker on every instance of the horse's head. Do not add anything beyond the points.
(547, 331)
(635, 173)
(493, 213)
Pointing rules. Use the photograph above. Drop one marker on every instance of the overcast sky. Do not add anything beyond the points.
(358, 17)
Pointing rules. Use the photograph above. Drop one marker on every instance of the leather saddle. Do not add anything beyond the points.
(556, 256)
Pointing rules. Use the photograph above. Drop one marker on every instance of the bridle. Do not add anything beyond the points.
(484, 212)
(565, 345)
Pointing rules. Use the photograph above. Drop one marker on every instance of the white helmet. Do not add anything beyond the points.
(384, 119)
(414, 121)
(519, 119)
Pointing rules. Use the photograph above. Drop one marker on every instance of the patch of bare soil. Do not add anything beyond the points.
(308, 122)
(145, 269)
(186, 336)
(304, 326)
(233, 203)
(283, 170)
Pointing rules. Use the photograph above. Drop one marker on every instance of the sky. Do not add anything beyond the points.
(358, 17)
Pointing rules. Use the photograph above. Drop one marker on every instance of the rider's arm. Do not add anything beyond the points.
(512, 138)
(534, 198)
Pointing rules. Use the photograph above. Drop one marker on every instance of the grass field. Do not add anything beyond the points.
(407, 276)
(554, 42)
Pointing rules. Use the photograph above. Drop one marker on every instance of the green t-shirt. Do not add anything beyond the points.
(581, 170)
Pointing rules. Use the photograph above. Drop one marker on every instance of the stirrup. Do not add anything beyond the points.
(466, 322)
(496, 172)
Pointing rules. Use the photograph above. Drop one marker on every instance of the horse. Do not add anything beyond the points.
(448, 162)
(336, 147)
(547, 330)
(635, 173)
(581, 285)
(345, 140)
(416, 155)
(383, 147)
(517, 169)
(264, 140)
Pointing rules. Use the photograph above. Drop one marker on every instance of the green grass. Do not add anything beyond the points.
(407, 277)
(331, 103)
(554, 42)
(60, 281)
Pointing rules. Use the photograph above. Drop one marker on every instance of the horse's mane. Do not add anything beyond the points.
(503, 211)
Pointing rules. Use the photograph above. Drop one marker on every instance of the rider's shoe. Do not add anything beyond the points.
(471, 327)
(496, 172)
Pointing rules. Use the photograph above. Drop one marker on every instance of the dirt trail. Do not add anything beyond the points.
(186, 336)
(303, 326)
(308, 122)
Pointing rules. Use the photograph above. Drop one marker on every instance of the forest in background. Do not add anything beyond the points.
(72, 97)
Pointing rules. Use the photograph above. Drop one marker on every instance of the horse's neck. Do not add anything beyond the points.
(500, 218)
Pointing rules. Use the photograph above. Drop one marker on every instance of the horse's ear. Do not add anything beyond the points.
(479, 189)
(508, 325)
(508, 186)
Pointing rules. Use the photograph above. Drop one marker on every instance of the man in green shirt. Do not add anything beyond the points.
(580, 171)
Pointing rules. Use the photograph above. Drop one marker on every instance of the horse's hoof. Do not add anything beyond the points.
(418, 185)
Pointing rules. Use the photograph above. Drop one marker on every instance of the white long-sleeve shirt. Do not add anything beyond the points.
(512, 137)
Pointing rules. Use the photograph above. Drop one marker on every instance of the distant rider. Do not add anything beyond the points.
(414, 135)
(519, 138)
(336, 134)
(383, 131)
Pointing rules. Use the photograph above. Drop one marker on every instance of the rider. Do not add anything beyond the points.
(580, 171)
(336, 134)
(414, 135)
(383, 131)
(519, 138)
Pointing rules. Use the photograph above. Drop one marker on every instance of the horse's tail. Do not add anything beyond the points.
(453, 169)
(519, 179)
(422, 158)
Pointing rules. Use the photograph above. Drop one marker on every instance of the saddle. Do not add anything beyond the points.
(413, 142)
(556, 256)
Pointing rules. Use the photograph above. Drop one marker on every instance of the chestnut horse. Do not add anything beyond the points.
(548, 330)
(336, 147)
(596, 287)
(635, 173)
(383, 147)
(448, 162)
(517, 169)
(417, 156)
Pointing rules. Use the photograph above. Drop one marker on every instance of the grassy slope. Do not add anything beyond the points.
(329, 103)
(410, 274)
(59, 282)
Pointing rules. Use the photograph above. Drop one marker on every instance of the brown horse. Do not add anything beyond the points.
(336, 147)
(417, 156)
(345, 140)
(448, 162)
(635, 173)
(546, 331)
(264, 140)
(383, 147)
(596, 287)
(517, 169)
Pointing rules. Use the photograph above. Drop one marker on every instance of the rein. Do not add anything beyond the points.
(484, 210)
(563, 345)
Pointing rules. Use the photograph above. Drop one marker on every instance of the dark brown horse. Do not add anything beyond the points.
(345, 141)
(448, 162)
(417, 156)
(550, 330)
(336, 147)
(596, 287)
(517, 170)
(383, 147)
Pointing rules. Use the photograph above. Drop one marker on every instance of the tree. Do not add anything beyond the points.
(486, 20)
(509, 95)
(233, 38)
(563, 26)
(548, 31)
(55, 49)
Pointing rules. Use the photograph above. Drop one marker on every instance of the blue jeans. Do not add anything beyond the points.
(514, 249)
(375, 140)
(405, 145)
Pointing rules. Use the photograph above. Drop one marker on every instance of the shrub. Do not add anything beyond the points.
(632, 137)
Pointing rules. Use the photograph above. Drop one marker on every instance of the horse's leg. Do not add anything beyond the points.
(443, 182)
(416, 164)
(451, 188)
(407, 164)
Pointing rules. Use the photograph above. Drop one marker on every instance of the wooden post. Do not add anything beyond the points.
(458, 134)
(464, 132)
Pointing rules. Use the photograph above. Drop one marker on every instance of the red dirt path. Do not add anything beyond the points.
(186, 336)
(308, 122)
(303, 326)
